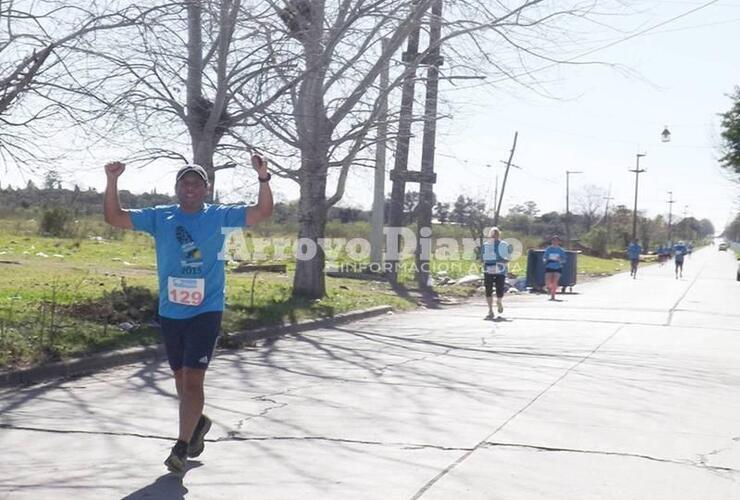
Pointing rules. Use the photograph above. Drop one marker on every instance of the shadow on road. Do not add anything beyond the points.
(422, 296)
(166, 487)
(499, 319)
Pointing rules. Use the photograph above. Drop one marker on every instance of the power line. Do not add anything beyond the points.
(615, 42)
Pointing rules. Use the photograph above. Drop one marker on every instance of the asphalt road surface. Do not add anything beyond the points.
(626, 389)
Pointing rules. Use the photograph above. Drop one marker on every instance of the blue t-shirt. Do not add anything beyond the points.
(633, 251)
(554, 258)
(189, 247)
(679, 251)
(495, 254)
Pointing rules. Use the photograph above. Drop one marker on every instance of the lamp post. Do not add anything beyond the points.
(568, 173)
(671, 201)
(637, 172)
(665, 136)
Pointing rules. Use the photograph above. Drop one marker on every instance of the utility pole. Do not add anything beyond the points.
(637, 172)
(427, 179)
(400, 168)
(495, 196)
(607, 198)
(568, 173)
(506, 176)
(378, 214)
(671, 201)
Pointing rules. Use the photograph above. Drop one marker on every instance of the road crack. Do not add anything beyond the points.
(486, 439)
(700, 464)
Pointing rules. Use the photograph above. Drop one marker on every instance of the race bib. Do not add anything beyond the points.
(186, 291)
(553, 256)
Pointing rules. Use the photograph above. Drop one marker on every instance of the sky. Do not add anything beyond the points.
(595, 120)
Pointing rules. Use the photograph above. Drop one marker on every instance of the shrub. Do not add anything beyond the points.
(598, 240)
(56, 222)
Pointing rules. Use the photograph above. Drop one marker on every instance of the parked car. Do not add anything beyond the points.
(723, 247)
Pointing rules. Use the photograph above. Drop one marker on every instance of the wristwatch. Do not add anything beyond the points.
(266, 179)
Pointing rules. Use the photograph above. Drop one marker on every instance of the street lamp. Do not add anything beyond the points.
(568, 173)
(637, 172)
(665, 136)
(496, 201)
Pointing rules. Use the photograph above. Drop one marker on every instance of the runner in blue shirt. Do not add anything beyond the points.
(679, 251)
(189, 239)
(633, 253)
(554, 258)
(495, 255)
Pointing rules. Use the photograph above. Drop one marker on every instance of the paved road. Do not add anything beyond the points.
(628, 389)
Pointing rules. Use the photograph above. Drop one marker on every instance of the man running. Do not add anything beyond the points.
(554, 259)
(633, 253)
(189, 238)
(679, 251)
(495, 255)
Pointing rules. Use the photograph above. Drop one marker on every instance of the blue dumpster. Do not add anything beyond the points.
(536, 270)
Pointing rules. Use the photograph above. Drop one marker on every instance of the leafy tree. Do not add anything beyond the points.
(442, 212)
(732, 231)
(410, 204)
(731, 134)
(52, 180)
(528, 208)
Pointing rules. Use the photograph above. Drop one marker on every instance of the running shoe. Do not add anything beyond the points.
(197, 442)
(178, 458)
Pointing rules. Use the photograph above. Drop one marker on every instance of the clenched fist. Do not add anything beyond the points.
(114, 169)
(259, 163)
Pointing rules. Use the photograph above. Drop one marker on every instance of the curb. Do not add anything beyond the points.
(84, 366)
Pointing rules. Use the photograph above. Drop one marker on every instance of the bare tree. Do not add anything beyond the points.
(40, 75)
(589, 202)
(187, 84)
(329, 119)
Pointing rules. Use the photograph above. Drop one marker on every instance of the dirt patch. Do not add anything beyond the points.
(129, 304)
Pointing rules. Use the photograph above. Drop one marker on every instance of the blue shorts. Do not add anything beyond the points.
(190, 342)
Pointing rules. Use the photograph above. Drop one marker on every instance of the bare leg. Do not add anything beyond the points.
(551, 284)
(191, 400)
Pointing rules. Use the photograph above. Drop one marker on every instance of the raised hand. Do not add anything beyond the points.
(259, 163)
(114, 169)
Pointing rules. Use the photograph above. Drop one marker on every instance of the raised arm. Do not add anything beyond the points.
(114, 214)
(263, 209)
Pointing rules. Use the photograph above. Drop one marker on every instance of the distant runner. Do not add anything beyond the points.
(679, 251)
(189, 238)
(495, 255)
(554, 259)
(633, 253)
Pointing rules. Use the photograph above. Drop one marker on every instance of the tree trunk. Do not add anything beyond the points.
(314, 131)
(309, 281)
(203, 151)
